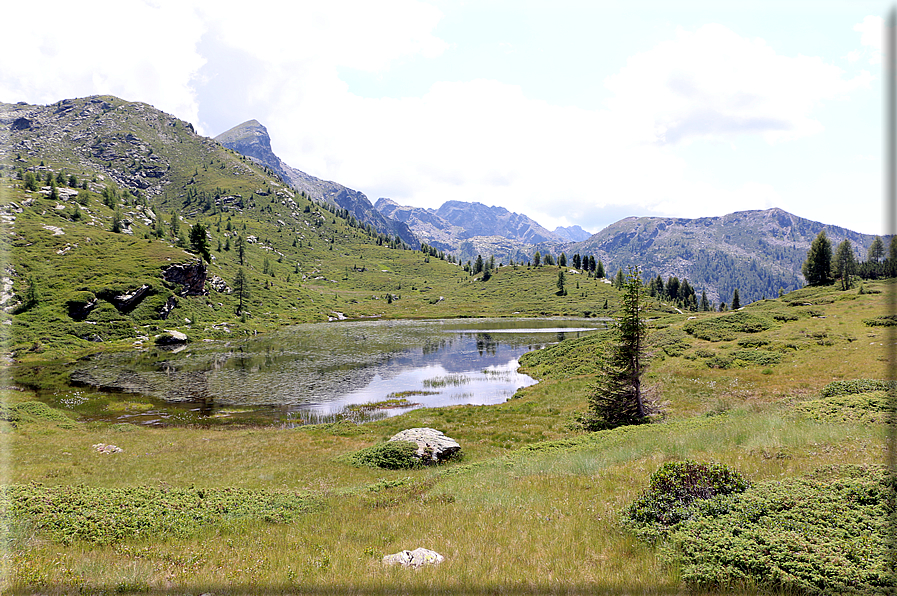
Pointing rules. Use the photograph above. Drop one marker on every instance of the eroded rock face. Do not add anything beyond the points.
(192, 276)
(432, 445)
(414, 558)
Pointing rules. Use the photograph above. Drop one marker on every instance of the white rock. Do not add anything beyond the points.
(414, 558)
(432, 445)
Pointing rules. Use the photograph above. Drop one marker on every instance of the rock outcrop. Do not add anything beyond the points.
(432, 445)
(251, 139)
(192, 276)
(414, 558)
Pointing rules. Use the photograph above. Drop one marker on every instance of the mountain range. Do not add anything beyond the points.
(161, 160)
(756, 252)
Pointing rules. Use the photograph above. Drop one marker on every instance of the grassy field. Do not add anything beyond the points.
(534, 506)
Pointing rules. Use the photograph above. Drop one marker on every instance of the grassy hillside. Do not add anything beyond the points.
(304, 261)
(533, 506)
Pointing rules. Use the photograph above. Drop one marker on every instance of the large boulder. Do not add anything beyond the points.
(414, 558)
(192, 276)
(432, 445)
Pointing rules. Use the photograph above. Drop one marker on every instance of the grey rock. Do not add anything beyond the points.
(128, 302)
(414, 558)
(171, 338)
(432, 445)
(192, 276)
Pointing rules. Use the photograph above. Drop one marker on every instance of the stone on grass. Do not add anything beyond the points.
(432, 445)
(414, 558)
(103, 448)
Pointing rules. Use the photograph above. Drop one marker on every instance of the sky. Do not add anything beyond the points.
(570, 112)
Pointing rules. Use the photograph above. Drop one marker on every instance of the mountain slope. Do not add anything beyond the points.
(252, 140)
(757, 252)
(469, 229)
(572, 233)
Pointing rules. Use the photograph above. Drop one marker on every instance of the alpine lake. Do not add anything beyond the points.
(314, 373)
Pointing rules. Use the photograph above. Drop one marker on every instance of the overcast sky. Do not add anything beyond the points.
(569, 112)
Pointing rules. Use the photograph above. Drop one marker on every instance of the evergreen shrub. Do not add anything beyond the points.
(391, 455)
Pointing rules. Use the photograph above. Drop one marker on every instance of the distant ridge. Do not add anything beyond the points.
(757, 252)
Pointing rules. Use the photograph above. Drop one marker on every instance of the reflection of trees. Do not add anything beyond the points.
(486, 345)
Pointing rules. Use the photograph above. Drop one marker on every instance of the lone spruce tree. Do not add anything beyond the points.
(817, 269)
(617, 397)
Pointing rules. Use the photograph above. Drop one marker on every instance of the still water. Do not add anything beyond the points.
(318, 372)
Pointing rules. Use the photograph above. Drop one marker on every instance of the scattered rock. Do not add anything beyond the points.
(220, 285)
(103, 448)
(127, 302)
(171, 338)
(168, 307)
(414, 558)
(432, 445)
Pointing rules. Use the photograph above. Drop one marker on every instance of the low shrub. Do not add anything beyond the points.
(882, 321)
(672, 341)
(856, 386)
(34, 411)
(674, 492)
(868, 407)
(68, 514)
(391, 455)
(826, 533)
(724, 327)
(756, 357)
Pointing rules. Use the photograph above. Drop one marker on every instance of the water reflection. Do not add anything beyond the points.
(322, 369)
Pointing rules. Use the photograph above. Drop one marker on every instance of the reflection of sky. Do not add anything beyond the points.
(327, 366)
(495, 386)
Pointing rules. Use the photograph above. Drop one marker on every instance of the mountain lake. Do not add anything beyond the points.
(321, 372)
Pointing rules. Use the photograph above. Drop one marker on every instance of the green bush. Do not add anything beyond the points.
(672, 341)
(391, 455)
(882, 321)
(823, 534)
(756, 357)
(106, 515)
(674, 493)
(34, 411)
(856, 386)
(868, 407)
(724, 327)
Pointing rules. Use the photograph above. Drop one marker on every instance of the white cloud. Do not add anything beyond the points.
(135, 50)
(871, 32)
(713, 83)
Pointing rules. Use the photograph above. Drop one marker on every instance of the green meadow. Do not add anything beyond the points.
(788, 393)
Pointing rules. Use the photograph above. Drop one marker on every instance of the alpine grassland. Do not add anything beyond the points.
(761, 471)
(535, 505)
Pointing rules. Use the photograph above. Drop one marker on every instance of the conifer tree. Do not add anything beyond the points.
(241, 288)
(817, 267)
(617, 398)
(845, 264)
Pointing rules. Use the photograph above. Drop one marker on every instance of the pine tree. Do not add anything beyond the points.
(241, 288)
(705, 304)
(845, 264)
(560, 283)
(736, 300)
(199, 242)
(817, 267)
(617, 398)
